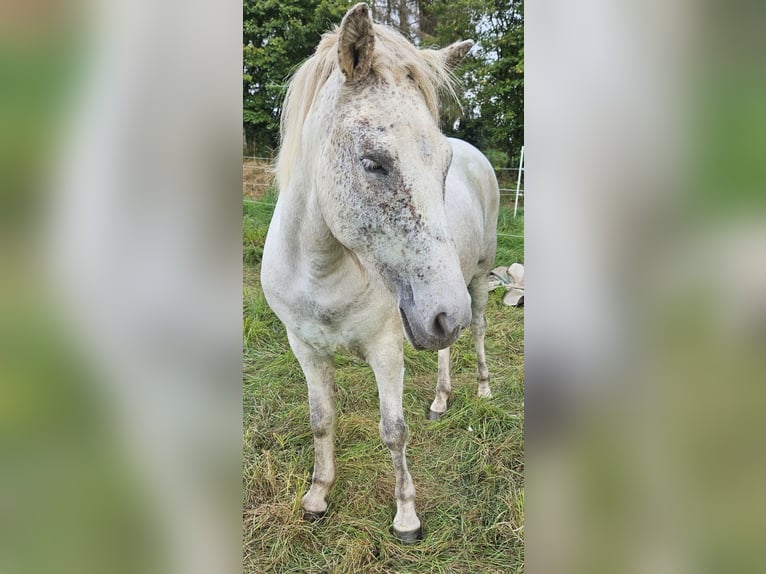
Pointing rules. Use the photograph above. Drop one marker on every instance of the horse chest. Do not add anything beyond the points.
(333, 317)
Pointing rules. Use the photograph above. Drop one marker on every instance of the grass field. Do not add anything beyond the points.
(467, 467)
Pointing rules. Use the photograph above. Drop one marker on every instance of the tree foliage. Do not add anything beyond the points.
(279, 35)
(492, 115)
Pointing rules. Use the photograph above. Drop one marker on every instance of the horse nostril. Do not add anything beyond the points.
(441, 325)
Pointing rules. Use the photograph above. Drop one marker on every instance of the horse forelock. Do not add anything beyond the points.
(393, 55)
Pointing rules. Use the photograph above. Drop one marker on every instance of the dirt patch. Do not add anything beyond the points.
(257, 177)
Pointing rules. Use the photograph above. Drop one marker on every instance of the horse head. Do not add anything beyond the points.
(381, 166)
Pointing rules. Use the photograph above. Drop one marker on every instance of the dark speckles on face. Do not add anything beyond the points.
(388, 216)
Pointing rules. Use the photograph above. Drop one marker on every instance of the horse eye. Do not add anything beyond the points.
(371, 165)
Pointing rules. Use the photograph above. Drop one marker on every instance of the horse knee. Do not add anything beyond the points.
(393, 433)
(322, 422)
(479, 323)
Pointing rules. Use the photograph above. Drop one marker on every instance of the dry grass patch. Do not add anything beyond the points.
(257, 178)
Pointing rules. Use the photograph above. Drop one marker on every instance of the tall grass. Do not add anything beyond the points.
(467, 467)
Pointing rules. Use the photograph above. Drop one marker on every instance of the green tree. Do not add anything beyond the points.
(277, 36)
(492, 93)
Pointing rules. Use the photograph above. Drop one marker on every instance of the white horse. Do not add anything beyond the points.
(382, 225)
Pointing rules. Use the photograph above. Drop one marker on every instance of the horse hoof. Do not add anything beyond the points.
(313, 516)
(412, 537)
(434, 416)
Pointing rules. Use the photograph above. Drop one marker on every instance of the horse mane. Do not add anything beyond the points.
(392, 53)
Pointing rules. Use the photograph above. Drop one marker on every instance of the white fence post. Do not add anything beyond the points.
(518, 182)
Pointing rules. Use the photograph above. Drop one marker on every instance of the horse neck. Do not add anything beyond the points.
(307, 235)
(307, 232)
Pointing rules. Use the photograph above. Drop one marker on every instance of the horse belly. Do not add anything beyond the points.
(465, 218)
(471, 204)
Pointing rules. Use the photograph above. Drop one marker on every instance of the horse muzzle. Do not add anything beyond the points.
(436, 326)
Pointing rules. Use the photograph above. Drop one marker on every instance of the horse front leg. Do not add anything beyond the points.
(319, 370)
(386, 358)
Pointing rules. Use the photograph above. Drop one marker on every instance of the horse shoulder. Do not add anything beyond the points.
(329, 304)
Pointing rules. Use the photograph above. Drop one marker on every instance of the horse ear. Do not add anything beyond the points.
(356, 42)
(454, 53)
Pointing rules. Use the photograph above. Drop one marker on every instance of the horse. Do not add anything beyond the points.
(383, 227)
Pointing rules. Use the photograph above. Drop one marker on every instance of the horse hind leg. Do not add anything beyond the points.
(479, 290)
(443, 387)
(319, 371)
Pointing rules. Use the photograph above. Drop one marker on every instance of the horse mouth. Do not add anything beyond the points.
(408, 331)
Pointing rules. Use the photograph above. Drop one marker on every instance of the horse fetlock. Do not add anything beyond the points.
(314, 502)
